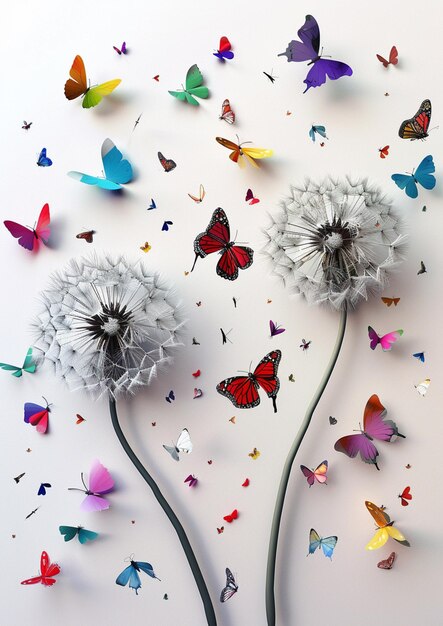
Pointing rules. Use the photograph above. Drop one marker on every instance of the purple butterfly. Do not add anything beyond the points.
(374, 427)
(307, 50)
(191, 480)
(275, 330)
(100, 483)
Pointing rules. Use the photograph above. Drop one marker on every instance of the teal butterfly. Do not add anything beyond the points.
(327, 544)
(423, 175)
(69, 532)
(193, 87)
(28, 366)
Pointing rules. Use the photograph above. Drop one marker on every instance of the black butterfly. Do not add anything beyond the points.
(231, 586)
(422, 269)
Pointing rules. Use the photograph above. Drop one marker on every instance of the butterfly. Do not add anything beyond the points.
(156, 77)
(387, 563)
(19, 477)
(32, 513)
(42, 489)
(320, 130)
(216, 238)
(28, 366)
(319, 474)
(100, 482)
(193, 87)
(422, 269)
(83, 535)
(423, 387)
(383, 152)
(77, 86)
(232, 419)
(291, 378)
(246, 483)
(152, 205)
(393, 58)
(47, 572)
(227, 114)
(242, 391)
(231, 517)
(200, 196)
(417, 126)
(420, 356)
(224, 50)
(225, 336)
(146, 247)
(385, 528)
(304, 345)
(231, 586)
(170, 397)
(29, 237)
(80, 419)
(130, 574)
(196, 374)
(405, 495)
(167, 164)
(423, 175)
(254, 454)
(270, 76)
(43, 160)
(390, 301)
(250, 197)
(166, 225)
(26, 125)
(308, 50)
(327, 544)
(184, 444)
(332, 420)
(122, 50)
(374, 427)
(137, 121)
(238, 152)
(275, 330)
(385, 341)
(37, 416)
(220, 530)
(195, 342)
(197, 393)
(87, 235)
(191, 480)
(118, 170)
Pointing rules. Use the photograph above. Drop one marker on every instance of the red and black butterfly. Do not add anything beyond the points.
(242, 391)
(167, 164)
(417, 126)
(216, 238)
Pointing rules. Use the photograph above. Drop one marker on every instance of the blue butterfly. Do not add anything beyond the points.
(166, 225)
(118, 170)
(420, 356)
(43, 160)
(327, 544)
(69, 532)
(42, 489)
(152, 205)
(321, 130)
(130, 574)
(170, 397)
(423, 175)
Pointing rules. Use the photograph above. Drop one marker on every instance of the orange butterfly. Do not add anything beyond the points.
(385, 528)
(384, 152)
(200, 196)
(238, 152)
(390, 301)
(77, 85)
(227, 113)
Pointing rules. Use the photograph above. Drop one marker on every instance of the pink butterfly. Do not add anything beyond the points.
(123, 49)
(386, 341)
(275, 329)
(251, 198)
(374, 427)
(319, 474)
(28, 237)
(100, 482)
(191, 480)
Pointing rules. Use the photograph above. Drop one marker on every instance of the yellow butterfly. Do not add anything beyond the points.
(77, 86)
(254, 454)
(238, 152)
(146, 247)
(385, 528)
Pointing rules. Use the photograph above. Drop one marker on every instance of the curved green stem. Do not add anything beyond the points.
(198, 576)
(276, 520)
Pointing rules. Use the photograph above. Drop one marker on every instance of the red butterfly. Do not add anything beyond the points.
(167, 164)
(405, 496)
(393, 57)
(384, 152)
(227, 113)
(251, 198)
(243, 390)
(230, 518)
(87, 235)
(246, 483)
(47, 571)
(28, 237)
(387, 563)
(216, 238)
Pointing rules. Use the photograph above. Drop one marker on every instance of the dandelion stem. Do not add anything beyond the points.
(198, 576)
(280, 500)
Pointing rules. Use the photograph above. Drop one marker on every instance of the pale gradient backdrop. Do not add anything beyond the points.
(40, 41)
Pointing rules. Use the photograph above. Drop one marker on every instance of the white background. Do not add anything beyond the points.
(40, 41)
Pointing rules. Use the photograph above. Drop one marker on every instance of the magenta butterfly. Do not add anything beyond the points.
(122, 50)
(100, 482)
(374, 427)
(191, 480)
(275, 329)
(319, 474)
(386, 341)
(28, 237)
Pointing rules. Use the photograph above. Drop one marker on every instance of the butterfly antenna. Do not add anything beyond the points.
(83, 481)
(195, 261)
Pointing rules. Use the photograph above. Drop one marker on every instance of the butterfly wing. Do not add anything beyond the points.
(16, 371)
(43, 160)
(48, 569)
(180, 95)
(94, 503)
(327, 545)
(373, 421)
(351, 445)
(320, 472)
(314, 541)
(233, 259)
(194, 80)
(43, 229)
(256, 153)
(216, 236)
(77, 85)
(31, 409)
(310, 476)
(424, 173)
(323, 68)
(306, 49)
(420, 356)
(390, 338)
(397, 535)
(373, 337)
(227, 113)
(382, 60)
(240, 390)
(129, 574)
(40, 420)
(230, 145)
(393, 56)
(321, 130)
(26, 237)
(100, 480)
(147, 568)
(387, 563)
(265, 374)
(184, 443)
(406, 182)
(172, 451)
(231, 587)
(417, 126)
(94, 95)
(86, 535)
(117, 169)
(379, 539)
(380, 517)
(32, 581)
(68, 532)
(103, 183)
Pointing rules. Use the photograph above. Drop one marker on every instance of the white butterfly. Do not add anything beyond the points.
(231, 586)
(184, 444)
(422, 387)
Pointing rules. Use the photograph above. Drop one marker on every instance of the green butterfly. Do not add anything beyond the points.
(28, 366)
(194, 87)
